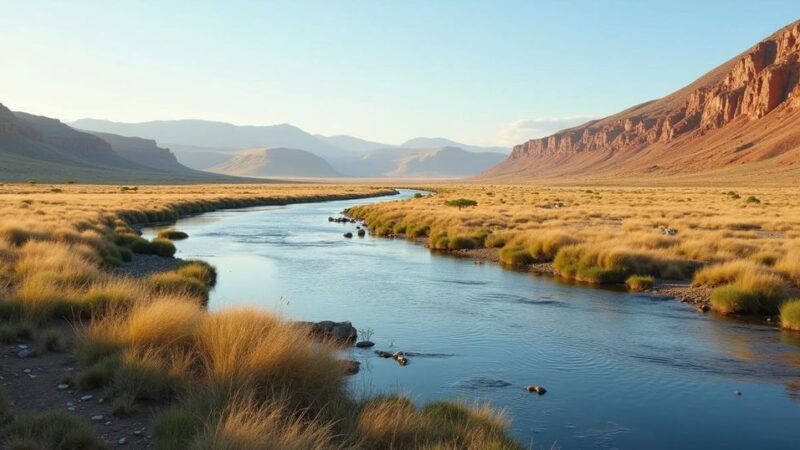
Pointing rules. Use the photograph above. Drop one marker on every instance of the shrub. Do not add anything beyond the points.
(789, 265)
(51, 430)
(163, 247)
(639, 282)
(172, 235)
(99, 374)
(790, 315)
(462, 242)
(545, 245)
(417, 231)
(752, 199)
(751, 294)
(173, 283)
(461, 203)
(515, 255)
(199, 270)
(52, 341)
(725, 273)
(495, 241)
(418, 195)
(141, 246)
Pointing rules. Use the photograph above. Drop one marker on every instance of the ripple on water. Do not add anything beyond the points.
(481, 383)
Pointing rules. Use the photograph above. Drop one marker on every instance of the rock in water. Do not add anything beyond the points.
(342, 332)
(362, 233)
(536, 388)
(383, 354)
(348, 235)
(364, 344)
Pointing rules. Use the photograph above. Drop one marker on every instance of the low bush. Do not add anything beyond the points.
(789, 265)
(199, 270)
(750, 294)
(163, 247)
(639, 282)
(495, 240)
(515, 255)
(172, 235)
(99, 374)
(51, 430)
(790, 315)
(173, 283)
(52, 341)
(461, 203)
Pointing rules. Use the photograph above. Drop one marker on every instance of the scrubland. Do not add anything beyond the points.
(742, 245)
(236, 378)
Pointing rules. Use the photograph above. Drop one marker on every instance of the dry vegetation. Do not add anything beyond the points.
(745, 245)
(233, 379)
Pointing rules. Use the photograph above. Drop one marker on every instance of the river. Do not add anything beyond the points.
(622, 370)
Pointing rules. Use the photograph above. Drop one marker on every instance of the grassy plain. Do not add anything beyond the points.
(235, 378)
(743, 245)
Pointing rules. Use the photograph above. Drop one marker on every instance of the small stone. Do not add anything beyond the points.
(348, 235)
(137, 432)
(536, 388)
(61, 387)
(101, 400)
(108, 423)
(27, 371)
(97, 418)
(738, 392)
(364, 344)
(70, 404)
(22, 346)
(71, 408)
(383, 354)
(24, 353)
(87, 397)
(122, 441)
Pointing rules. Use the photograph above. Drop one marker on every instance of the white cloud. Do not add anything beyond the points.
(520, 131)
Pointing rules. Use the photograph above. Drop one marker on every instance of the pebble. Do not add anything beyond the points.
(27, 371)
(71, 408)
(87, 397)
(364, 344)
(24, 353)
(738, 392)
(97, 418)
(22, 346)
(122, 441)
(137, 432)
(61, 387)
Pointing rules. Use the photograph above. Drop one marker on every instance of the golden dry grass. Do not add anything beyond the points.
(608, 234)
(232, 379)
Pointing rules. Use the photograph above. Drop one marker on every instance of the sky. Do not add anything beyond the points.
(480, 72)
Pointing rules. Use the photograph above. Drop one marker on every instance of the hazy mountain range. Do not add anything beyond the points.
(226, 148)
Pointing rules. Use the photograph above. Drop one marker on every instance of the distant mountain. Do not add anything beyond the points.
(44, 149)
(203, 133)
(352, 144)
(445, 162)
(276, 162)
(201, 158)
(142, 151)
(424, 142)
(739, 121)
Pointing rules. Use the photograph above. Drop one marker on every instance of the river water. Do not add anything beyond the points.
(621, 370)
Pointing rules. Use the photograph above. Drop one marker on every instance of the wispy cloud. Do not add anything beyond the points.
(520, 131)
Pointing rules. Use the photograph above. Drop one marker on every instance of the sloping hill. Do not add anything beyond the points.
(276, 162)
(142, 151)
(741, 117)
(446, 162)
(44, 149)
(216, 135)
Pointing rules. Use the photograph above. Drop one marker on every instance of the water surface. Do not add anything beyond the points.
(622, 370)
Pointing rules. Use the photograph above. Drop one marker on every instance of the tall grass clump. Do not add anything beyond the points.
(515, 255)
(790, 315)
(752, 293)
(789, 265)
(51, 430)
(725, 273)
(639, 282)
(199, 270)
(172, 235)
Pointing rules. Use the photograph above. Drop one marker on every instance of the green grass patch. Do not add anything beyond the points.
(515, 255)
(639, 282)
(199, 270)
(172, 235)
(790, 315)
(51, 430)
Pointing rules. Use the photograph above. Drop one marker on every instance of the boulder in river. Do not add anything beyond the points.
(383, 354)
(400, 357)
(536, 388)
(342, 332)
(364, 344)
(348, 235)
(362, 233)
(331, 219)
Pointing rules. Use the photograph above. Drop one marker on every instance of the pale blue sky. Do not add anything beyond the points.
(483, 72)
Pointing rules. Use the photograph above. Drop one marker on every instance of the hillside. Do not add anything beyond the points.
(46, 150)
(445, 162)
(739, 121)
(276, 162)
(142, 151)
(216, 135)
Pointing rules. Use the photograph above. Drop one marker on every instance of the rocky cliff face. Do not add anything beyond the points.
(142, 151)
(763, 81)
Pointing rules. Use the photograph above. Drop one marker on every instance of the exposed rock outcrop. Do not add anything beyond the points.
(669, 135)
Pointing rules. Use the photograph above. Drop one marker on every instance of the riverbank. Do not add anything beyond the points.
(736, 254)
(102, 347)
